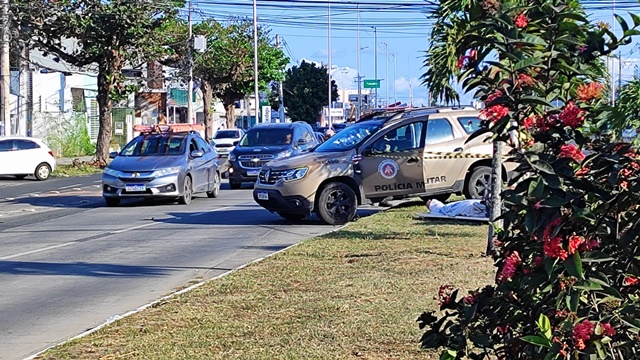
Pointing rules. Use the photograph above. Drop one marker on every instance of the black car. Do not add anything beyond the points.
(266, 142)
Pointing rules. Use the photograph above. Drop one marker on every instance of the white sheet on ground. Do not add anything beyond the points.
(468, 208)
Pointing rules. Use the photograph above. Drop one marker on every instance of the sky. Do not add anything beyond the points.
(402, 27)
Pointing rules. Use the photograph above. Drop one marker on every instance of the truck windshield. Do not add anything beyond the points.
(350, 137)
(266, 137)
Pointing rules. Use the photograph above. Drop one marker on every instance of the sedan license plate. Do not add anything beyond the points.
(253, 172)
(135, 187)
(263, 195)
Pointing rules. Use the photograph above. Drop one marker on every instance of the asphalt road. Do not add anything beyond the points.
(68, 264)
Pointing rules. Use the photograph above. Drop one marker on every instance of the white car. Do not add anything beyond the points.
(225, 140)
(23, 156)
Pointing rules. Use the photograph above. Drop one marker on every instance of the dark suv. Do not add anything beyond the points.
(266, 142)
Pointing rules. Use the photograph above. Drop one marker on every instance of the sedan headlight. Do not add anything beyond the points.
(166, 171)
(232, 156)
(111, 172)
(294, 174)
(283, 154)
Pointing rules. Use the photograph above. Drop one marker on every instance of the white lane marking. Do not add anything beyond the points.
(34, 195)
(69, 186)
(9, 199)
(37, 250)
(98, 181)
(132, 228)
(54, 192)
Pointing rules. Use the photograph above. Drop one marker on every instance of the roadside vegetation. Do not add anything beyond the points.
(77, 169)
(353, 293)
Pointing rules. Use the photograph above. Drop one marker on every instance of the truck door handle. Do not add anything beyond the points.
(458, 150)
(412, 161)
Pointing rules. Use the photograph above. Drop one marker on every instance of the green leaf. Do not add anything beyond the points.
(587, 285)
(623, 23)
(535, 101)
(448, 355)
(636, 19)
(528, 62)
(537, 340)
(530, 221)
(533, 39)
(632, 32)
(574, 266)
(545, 326)
(572, 301)
(554, 201)
(543, 166)
(536, 188)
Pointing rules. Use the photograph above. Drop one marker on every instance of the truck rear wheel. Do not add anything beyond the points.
(337, 204)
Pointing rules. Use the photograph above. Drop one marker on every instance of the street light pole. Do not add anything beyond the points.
(359, 107)
(395, 76)
(375, 64)
(386, 78)
(190, 82)
(329, 56)
(255, 59)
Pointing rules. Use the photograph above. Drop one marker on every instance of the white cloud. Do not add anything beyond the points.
(402, 83)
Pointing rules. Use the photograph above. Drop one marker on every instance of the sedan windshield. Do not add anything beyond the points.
(155, 145)
(267, 137)
(350, 137)
(225, 134)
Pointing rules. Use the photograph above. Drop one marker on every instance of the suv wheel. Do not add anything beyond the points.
(337, 204)
(215, 192)
(479, 183)
(290, 216)
(187, 192)
(235, 185)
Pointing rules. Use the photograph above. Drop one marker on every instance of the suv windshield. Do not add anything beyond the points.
(155, 145)
(225, 134)
(267, 137)
(350, 137)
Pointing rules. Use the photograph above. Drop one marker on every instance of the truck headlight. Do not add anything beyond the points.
(294, 174)
(166, 171)
(232, 156)
(111, 172)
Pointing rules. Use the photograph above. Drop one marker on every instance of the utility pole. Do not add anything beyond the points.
(5, 71)
(395, 76)
(359, 107)
(613, 81)
(329, 56)
(375, 64)
(190, 82)
(255, 60)
(619, 70)
(386, 77)
(280, 89)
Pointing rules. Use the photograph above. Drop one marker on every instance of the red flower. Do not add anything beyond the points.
(583, 171)
(588, 92)
(548, 231)
(624, 184)
(625, 173)
(552, 248)
(510, 267)
(571, 115)
(630, 281)
(444, 294)
(470, 299)
(574, 243)
(521, 20)
(608, 330)
(531, 121)
(495, 112)
(538, 261)
(589, 245)
(582, 332)
(492, 97)
(503, 330)
(524, 80)
(571, 151)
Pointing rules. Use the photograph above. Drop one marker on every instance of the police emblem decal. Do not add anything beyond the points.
(388, 169)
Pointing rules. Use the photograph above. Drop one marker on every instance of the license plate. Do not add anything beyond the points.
(253, 172)
(135, 187)
(263, 195)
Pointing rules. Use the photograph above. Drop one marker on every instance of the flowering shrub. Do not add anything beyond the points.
(568, 265)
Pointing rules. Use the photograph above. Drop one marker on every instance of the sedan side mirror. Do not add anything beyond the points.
(113, 154)
(197, 154)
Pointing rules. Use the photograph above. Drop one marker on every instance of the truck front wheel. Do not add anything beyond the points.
(337, 204)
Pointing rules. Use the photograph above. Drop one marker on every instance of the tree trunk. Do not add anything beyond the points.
(207, 99)
(495, 201)
(231, 115)
(105, 103)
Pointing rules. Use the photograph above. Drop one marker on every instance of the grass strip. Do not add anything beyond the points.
(354, 293)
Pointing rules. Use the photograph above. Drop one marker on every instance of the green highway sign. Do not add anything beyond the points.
(371, 84)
